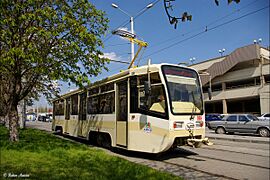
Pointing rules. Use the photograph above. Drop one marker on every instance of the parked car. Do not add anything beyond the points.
(42, 118)
(265, 116)
(45, 117)
(212, 117)
(31, 116)
(242, 123)
(49, 117)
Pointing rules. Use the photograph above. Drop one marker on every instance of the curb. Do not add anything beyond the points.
(240, 140)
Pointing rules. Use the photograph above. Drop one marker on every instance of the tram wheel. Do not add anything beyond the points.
(100, 139)
(59, 131)
(106, 141)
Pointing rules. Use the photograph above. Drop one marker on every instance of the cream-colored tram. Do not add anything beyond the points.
(150, 109)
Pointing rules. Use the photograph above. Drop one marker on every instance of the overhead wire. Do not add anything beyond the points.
(205, 31)
(120, 44)
(128, 21)
(209, 24)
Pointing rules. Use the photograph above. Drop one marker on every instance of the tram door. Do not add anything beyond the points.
(67, 114)
(82, 114)
(121, 114)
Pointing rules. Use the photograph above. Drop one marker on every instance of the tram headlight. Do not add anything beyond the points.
(199, 123)
(178, 124)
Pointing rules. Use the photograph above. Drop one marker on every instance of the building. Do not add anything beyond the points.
(240, 81)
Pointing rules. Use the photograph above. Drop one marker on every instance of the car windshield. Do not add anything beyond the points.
(184, 90)
(252, 117)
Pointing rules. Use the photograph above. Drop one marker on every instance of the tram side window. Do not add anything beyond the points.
(155, 103)
(93, 105)
(74, 104)
(154, 78)
(107, 87)
(106, 105)
(59, 108)
(93, 91)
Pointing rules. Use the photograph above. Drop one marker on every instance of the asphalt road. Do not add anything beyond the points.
(239, 156)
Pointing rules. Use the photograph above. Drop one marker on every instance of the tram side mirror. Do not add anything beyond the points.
(147, 88)
(209, 93)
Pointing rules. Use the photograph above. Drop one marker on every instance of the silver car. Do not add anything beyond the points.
(242, 123)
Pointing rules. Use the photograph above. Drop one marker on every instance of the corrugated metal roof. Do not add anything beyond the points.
(239, 55)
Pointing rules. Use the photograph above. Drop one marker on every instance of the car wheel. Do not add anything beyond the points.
(220, 130)
(263, 132)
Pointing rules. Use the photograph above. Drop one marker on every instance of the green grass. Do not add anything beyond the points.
(43, 156)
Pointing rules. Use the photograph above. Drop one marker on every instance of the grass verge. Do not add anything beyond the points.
(39, 155)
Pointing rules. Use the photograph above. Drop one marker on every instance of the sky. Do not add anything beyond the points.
(228, 27)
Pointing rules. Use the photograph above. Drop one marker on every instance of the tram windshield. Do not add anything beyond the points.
(184, 90)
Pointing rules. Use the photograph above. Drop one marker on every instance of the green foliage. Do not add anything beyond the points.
(44, 156)
(42, 41)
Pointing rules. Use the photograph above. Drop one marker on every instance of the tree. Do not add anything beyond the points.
(46, 40)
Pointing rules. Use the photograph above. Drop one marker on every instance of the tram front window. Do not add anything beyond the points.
(184, 90)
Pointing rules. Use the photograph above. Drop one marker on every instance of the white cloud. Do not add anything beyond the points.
(111, 55)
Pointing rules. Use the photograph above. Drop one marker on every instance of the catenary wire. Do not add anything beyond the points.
(128, 21)
(209, 24)
(204, 31)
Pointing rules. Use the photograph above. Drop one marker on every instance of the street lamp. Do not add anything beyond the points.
(221, 51)
(192, 60)
(132, 22)
(257, 41)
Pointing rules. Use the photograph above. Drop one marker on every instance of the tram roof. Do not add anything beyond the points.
(135, 71)
(122, 74)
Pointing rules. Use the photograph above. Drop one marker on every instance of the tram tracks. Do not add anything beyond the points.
(207, 174)
(229, 161)
(239, 152)
(196, 161)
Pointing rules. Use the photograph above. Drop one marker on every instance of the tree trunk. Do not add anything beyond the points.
(13, 124)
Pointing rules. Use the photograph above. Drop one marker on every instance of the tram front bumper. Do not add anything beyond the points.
(198, 142)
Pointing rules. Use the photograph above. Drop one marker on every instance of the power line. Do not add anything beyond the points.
(202, 32)
(128, 21)
(205, 31)
(120, 44)
(209, 24)
(230, 14)
(110, 34)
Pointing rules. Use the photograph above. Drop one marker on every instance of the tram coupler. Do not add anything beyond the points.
(198, 142)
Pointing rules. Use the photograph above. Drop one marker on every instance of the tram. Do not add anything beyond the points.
(151, 109)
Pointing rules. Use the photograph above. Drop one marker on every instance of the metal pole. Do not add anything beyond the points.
(210, 83)
(132, 43)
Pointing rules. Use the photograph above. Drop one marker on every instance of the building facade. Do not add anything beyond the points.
(240, 81)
